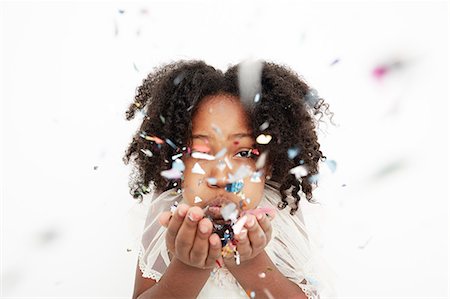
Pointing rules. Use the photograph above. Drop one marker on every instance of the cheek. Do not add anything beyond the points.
(254, 191)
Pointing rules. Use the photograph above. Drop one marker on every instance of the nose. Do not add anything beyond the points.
(218, 174)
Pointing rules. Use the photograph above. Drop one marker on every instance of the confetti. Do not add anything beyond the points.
(179, 78)
(229, 211)
(230, 166)
(221, 153)
(292, 152)
(263, 139)
(331, 165)
(299, 171)
(249, 79)
(237, 257)
(174, 157)
(212, 181)
(171, 174)
(264, 126)
(173, 207)
(257, 98)
(221, 165)
(135, 67)
(335, 61)
(178, 165)
(162, 118)
(197, 169)
(242, 172)
(235, 187)
(169, 142)
(262, 275)
(261, 162)
(147, 152)
(197, 199)
(202, 156)
(314, 178)
(237, 227)
(252, 294)
(256, 177)
(312, 98)
(151, 138)
(216, 129)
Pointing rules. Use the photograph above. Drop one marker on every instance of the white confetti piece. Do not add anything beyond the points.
(221, 165)
(263, 139)
(147, 152)
(239, 225)
(229, 212)
(230, 166)
(299, 171)
(221, 153)
(197, 199)
(197, 169)
(261, 162)
(264, 126)
(202, 156)
(171, 174)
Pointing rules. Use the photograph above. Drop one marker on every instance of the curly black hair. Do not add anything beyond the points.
(169, 96)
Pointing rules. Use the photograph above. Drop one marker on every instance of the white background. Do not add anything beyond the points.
(69, 70)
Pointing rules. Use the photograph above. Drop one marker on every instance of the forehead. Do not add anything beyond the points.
(220, 111)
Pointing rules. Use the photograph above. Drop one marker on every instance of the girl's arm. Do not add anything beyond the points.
(179, 281)
(254, 261)
(271, 284)
(194, 252)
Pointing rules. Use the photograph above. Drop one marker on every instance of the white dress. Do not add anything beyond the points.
(289, 249)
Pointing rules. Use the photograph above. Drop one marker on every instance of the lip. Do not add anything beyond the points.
(212, 209)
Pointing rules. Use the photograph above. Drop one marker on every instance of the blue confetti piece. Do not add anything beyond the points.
(331, 165)
(169, 142)
(235, 187)
(292, 152)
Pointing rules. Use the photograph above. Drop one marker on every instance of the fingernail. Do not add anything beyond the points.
(259, 216)
(251, 221)
(193, 217)
(181, 212)
(243, 234)
(203, 229)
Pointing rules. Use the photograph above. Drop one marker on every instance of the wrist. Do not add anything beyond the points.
(256, 260)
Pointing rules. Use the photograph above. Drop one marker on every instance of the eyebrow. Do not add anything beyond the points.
(232, 136)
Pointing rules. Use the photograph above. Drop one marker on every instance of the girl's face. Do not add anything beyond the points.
(222, 166)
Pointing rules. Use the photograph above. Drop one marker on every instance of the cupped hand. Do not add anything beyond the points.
(189, 237)
(252, 239)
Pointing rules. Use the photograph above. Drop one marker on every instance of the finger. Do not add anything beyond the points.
(174, 225)
(215, 251)
(186, 235)
(199, 250)
(256, 235)
(266, 226)
(164, 218)
(243, 243)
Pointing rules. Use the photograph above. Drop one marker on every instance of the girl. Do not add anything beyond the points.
(223, 159)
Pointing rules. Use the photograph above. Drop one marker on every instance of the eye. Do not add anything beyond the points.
(244, 154)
